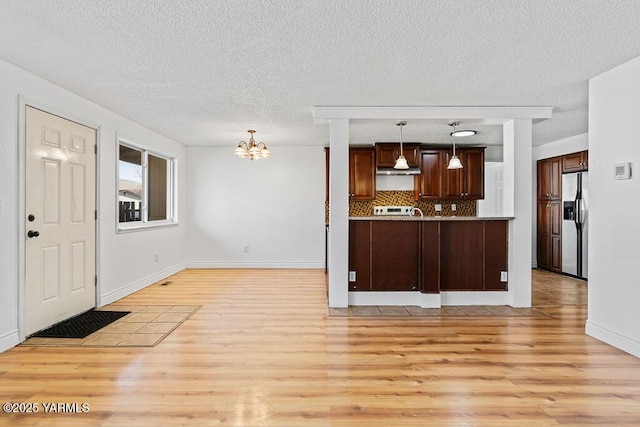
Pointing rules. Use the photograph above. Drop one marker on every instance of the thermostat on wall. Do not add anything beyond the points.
(622, 171)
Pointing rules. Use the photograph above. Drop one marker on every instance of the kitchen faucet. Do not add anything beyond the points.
(414, 210)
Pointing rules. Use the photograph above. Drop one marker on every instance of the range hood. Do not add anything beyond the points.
(391, 171)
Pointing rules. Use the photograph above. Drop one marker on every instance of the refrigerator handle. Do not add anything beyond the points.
(583, 211)
(577, 210)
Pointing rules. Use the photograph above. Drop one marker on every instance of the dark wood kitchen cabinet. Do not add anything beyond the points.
(395, 256)
(388, 152)
(473, 255)
(550, 178)
(384, 255)
(549, 213)
(428, 185)
(430, 257)
(575, 162)
(360, 255)
(468, 182)
(549, 235)
(362, 173)
(461, 249)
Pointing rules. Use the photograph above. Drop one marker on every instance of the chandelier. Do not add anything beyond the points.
(252, 150)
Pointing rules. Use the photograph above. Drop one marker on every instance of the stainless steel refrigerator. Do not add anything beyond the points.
(575, 224)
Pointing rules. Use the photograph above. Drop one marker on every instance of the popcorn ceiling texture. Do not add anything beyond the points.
(406, 198)
(190, 70)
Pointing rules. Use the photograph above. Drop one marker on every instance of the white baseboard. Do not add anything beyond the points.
(124, 291)
(256, 264)
(475, 298)
(9, 340)
(384, 298)
(612, 338)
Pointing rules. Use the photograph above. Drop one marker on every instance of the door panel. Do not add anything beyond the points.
(60, 194)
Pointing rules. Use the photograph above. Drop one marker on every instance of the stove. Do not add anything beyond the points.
(392, 210)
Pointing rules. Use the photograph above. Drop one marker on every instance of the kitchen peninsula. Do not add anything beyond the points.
(426, 256)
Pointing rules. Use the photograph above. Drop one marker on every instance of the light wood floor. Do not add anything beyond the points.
(262, 351)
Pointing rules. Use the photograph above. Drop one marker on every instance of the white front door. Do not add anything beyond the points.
(60, 219)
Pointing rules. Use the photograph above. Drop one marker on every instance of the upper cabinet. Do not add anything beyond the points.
(468, 182)
(550, 178)
(428, 185)
(362, 173)
(387, 154)
(575, 162)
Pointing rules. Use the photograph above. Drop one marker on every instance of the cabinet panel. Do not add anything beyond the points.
(550, 178)
(387, 153)
(474, 173)
(431, 257)
(468, 182)
(544, 252)
(362, 173)
(360, 254)
(428, 185)
(495, 254)
(395, 256)
(575, 162)
(556, 254)
(461, 261)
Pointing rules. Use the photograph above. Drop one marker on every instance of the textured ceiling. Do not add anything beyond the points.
(203, 72)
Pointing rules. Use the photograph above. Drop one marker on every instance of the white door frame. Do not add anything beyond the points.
(23, 102)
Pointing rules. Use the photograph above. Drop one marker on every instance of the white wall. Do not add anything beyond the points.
(274, 206)
(569, 145)
(126, 260)
(614, 287)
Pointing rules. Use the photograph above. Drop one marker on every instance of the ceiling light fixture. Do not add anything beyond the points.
(454, 163)
(401, 161)
(252, 150)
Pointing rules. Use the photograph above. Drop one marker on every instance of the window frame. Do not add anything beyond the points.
(172, 204)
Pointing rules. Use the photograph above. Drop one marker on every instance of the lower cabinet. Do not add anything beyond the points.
(360, 255)
(473, 255)
(430, 256)
(395, 256)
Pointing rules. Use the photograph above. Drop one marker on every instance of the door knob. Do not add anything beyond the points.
(32, 234)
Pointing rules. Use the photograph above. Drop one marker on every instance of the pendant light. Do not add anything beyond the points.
(401, 161)
(454, 163)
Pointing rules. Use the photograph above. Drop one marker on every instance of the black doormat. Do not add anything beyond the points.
(82, 325)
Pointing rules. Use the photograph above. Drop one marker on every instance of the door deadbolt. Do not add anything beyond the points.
(31, 218)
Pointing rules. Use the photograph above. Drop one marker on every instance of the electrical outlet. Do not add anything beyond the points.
(503, 276)
(453, 207)
(438, 207)
(246, 248)
(352, 276)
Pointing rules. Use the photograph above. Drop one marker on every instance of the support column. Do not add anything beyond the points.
(517, 202)
(338, 213)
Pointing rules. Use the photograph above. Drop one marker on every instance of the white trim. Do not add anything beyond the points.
(475, 298)
(384, 298)
(126, 290)
(9, 340)
(257, 264)
(395, 298)
(23, 102)
(172, 196)
(492, 115)
(613, 338)
(429, 300)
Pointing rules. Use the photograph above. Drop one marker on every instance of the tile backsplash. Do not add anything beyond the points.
(406, 198)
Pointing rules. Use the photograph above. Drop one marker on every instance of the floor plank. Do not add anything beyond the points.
(262, 350)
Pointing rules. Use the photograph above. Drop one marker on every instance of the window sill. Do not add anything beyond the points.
(147, 226)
